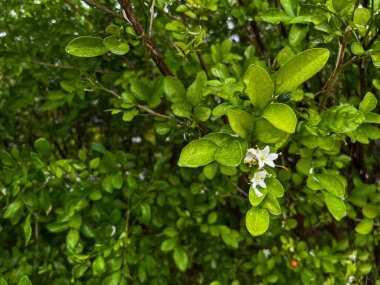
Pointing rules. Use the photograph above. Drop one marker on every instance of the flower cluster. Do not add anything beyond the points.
(261, 157)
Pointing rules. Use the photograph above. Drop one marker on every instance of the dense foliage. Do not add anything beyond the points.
(189, 142)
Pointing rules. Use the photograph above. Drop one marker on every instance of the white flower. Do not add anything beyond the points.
(250, 156)
(264, 157)
(258, 180)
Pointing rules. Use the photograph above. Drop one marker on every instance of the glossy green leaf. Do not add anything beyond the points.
(335, 205)
(274, 187)
(259, 86)
(202, 113)
(257, 221)
(300, 68)
(24, 280)
(273, 16)
(365, 226)
(145, 213)
(113, 278)
(174, 89)
(289, 6)
(72, 238)
(368, 103)
(116, 45)
(331, 184)
(362, 16)
(271, 204)
(195, 91)
(13, 209)
(281, 116)
(220, 139)
(341, 119)
(86, 47)
(339, 5)
(99, 265)
(241, 122)
(180, 258)
(231, 154)
(297, 34)
(266, 133)
(197, 153)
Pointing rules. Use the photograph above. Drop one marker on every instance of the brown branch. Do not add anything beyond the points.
(147, 40)
(103, 8)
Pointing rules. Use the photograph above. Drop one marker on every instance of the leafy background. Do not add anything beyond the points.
(91, 192)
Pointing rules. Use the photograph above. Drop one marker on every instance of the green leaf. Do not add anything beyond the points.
(339, 5)
(27, 229)
(357, 48)
(267, 133)
(335, 205)
(231, 154)
(370, 211)
(365, 226)
(259, 86)
(99, 265)
(289, 6)
(168, 244)
(180, 258)
(300, 68)
(257, 221)
(113, 279)
(3, 281)
(42, 146)
(24, 280)
(72, 238)
(271, 204)
(220, 139)
(13, 209)
(361, 16)
(202, 113)
(116, 45)
(254, 199)
(368, 103)
(281, 116)
(241, 122)
(273, 16)
(174, 89)
(331, 184)
(145, 213)
(86, 47)
(341, 119)
(297, 34)
(195, 91)
(182, 109)
(210, 170)
(372, 118)
(197, 153)
(275, 187)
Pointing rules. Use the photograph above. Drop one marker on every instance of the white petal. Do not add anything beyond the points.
(262, 184)
(261, 163)
(272, 156)
(270, 163)
(257, 192)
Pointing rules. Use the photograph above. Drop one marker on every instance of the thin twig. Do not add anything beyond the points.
(151, 18)
(103, 8)
(241, 191)
(153, 113)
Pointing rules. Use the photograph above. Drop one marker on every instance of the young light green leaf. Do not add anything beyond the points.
(254, 199)
(241, 122)
(116, 45)
(368, 103)
(210, 170)
(281, 116)
(99, 265)
(168, 244)
(357, 48)
(257, 221)
(335, 205)
(271, 204)
(370, 211)
(230, 154)
(3, 281)
(365, 226)
(182, 109)
(289, 6)
(180, 258)
(362, 16)
(275, 187)
(197, 153)
(195, 91)
(259, 86)
(341, 119)
(24, 280)
(273, 16)
(300, 68)
(86, 47)
(220, 139)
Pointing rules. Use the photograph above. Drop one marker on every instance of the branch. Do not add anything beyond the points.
(147, 40)
(103, 8)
